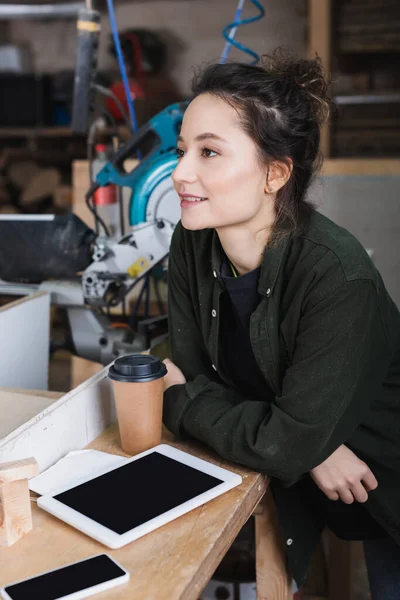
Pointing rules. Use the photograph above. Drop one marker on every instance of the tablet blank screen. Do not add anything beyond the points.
(137, 492)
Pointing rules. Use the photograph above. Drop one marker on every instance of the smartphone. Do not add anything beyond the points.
(77, 580)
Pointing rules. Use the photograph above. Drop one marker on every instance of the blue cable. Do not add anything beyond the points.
(232, 32)
(237, 23)
(121, 63)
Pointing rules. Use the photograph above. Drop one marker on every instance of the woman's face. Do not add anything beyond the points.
(219, 177)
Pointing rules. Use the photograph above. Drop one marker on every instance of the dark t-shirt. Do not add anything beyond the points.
(240, 299)
(236, 356)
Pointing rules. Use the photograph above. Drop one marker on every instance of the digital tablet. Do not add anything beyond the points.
(148, 491)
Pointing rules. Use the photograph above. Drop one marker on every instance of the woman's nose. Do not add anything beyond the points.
(184, 171)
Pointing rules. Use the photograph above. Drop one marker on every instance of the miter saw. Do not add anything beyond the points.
(46, 252)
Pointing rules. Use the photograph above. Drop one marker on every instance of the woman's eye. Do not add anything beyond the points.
(179, 152)
(208, 153)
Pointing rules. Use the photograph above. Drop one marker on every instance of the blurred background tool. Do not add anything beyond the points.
(88, 32)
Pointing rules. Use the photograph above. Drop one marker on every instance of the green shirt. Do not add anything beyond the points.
(326, 336)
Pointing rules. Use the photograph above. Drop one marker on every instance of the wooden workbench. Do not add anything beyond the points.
(177, 560)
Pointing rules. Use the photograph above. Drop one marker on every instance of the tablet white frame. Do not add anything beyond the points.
(114, 540)
(85, 593)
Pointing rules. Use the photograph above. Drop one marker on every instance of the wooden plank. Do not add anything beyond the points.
(320, 31)
(361, 166)
(80, 185)
(339, 569)
(82, 370)
(273, 581)
(320, 26)
(173, 563)
(24, 342)
(69, 423)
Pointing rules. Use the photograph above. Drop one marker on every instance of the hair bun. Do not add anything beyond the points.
(307, 75)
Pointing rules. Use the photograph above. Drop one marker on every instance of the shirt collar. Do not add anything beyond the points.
(270, 266)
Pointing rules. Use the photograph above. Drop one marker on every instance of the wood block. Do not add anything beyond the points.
(18, 469)
(15, 504)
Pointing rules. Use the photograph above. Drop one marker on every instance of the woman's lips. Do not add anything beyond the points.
(190, 201)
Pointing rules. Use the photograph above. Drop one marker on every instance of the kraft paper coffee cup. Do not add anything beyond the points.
(138, 391)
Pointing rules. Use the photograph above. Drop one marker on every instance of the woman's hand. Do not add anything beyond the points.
(174, 375)
(343, 475)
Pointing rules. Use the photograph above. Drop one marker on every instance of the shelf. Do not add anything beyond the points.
(370, 48)
(55, 132)
(37, 10)
(21, 132)
(361, 166)
(368, 98)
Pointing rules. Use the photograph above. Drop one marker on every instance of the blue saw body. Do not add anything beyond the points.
(161, 132)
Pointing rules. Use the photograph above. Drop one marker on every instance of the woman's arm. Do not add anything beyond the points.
(335, 375)
(341, 476)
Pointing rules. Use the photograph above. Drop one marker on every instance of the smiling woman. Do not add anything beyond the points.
(285, 343)
(251, 133)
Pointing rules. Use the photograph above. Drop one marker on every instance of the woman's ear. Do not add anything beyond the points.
(278, 175)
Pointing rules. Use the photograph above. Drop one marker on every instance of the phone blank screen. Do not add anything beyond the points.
(66, 580)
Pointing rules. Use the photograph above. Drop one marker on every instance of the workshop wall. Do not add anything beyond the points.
(366, 205)
(192, 27)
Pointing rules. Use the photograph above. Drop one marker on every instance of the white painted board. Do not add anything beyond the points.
(70, 423)
(24, 342)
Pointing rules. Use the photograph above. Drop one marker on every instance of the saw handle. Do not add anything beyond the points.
(133, 145)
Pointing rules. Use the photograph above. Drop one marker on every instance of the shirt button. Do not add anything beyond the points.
(214, 367)
(268, 291)
(215, 274)
(289, 542)
(214, 312)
